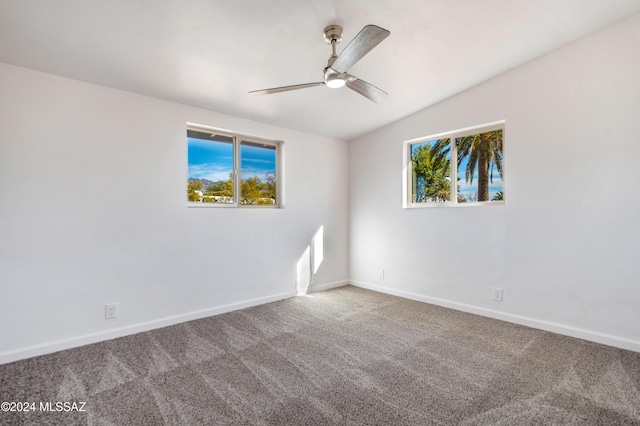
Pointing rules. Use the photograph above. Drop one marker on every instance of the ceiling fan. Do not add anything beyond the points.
(335, 74)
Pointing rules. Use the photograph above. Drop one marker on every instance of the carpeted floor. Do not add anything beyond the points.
(347, 356)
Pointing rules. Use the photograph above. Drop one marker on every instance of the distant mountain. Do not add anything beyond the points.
(205, 182)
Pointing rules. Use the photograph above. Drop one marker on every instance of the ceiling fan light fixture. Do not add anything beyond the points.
(333, 79)
(335, 83)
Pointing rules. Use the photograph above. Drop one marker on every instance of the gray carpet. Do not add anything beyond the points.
(347, 356)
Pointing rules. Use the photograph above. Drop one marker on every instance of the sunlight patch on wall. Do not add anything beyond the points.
(309, 263)
(303, 271)
(317, 244)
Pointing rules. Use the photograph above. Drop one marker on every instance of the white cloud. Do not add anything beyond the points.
(211, 171)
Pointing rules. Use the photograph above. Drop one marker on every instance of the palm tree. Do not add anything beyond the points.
(432, 169)
(483, 150)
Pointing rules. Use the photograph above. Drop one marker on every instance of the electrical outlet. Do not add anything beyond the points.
(111, 311)
(382, 273)
(497, 294)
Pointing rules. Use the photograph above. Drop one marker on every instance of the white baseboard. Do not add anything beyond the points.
(593, 336)
(327, 286)
(49, 347)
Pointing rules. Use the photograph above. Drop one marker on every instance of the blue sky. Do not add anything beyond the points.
(256, 161)
(214, 160)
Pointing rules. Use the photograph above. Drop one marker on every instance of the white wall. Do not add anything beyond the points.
(566, 246)
(93, 210)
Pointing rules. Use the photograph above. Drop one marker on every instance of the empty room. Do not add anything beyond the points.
(319, 212)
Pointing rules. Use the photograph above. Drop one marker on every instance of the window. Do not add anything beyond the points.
(475, 177)
(227, 169)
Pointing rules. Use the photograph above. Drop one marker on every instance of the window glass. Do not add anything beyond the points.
(257, 173)
(480, 167)
(431, 165)
(210, 168)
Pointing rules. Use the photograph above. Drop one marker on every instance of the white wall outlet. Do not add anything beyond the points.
(111, 311)
(497, 294)
(382, 273)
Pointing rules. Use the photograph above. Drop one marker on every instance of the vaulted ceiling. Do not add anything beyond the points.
(211, 53)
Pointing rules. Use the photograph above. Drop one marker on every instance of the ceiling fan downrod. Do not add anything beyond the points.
(333, 36)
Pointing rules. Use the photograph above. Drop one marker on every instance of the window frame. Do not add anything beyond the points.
(237, 139)
(407, 176)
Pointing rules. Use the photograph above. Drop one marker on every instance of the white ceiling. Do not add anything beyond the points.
(211, 53)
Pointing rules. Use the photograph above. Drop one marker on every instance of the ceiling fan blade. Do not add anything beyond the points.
(368, 38)
(286, 88)
(367, 90)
